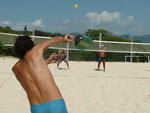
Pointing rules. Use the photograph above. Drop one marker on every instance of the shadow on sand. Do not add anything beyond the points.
(98, 70)
(63, 68)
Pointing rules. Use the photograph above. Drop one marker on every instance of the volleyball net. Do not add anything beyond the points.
(110, 46)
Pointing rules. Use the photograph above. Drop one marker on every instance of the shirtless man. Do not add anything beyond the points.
(102, 57)
(62, 57)
(35, 77)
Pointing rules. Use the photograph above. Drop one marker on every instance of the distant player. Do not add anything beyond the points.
(102, 57)
(62, 56)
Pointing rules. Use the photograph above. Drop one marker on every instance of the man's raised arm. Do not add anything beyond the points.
(55, 40)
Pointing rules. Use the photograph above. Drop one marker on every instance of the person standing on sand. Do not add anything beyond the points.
(62, 56)
(102, 57)
(35, 77)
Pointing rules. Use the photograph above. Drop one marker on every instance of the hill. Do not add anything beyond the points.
(142, 38)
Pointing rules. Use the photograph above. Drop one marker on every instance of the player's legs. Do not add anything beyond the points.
(104, 65)
(58, 64)
(67, 64)
(99, 62)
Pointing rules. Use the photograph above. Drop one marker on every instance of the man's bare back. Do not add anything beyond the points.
(34, 75)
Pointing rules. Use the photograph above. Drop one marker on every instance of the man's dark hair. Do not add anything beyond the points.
(22, 45)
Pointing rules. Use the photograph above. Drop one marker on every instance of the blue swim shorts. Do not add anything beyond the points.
(101, 58)
(54, 106)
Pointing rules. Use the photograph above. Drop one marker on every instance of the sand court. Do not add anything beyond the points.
(123, 88)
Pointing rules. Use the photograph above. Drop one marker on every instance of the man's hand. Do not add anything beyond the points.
(68, 38)
(52, 59)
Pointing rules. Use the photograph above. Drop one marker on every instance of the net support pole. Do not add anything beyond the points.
(67, 51)
(125, 58)
(100, 39)
(131, 54)
(148, 59)
(33, 34)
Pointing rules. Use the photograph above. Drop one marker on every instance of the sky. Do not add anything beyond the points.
(60, 16)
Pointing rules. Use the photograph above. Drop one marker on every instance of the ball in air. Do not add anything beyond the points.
(76, 5)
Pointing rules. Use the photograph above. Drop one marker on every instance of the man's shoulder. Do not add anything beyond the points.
(33, 53)
(17, 65)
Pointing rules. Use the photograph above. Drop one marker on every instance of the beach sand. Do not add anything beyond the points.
(123, 88)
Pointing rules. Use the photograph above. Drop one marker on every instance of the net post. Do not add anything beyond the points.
(148, 59)
(67, 51)
(125, 58)
(33, 34)
(100, 39)
(131, 54)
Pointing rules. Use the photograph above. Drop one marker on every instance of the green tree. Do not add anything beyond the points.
(94, 33)
(1, 47)
(25, 30)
